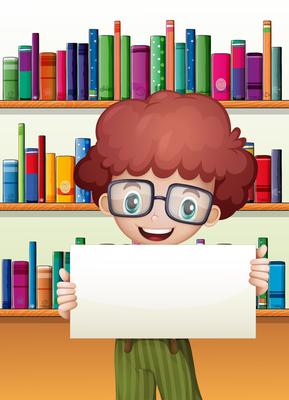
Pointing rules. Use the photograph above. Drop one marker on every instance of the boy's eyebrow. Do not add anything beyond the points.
(128, 184)
(195, 191)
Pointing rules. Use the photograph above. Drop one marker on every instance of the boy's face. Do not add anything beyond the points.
(157, 227)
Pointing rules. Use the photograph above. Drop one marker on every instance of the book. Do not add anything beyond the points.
(31, 175)
(249, 146)
(64, 179)
(71, 71)
(44, 286)
(25, 72)
(58, 263)
(140, 72)
(67, 261)
(276, 288)
(200, 241)
(254, 76)
(203, 64)
(180, 68)
(93, 64)
(82, 71)
(19, 284)
(221, 77)
(32, 274)
(238, 52)
(262, 300)
(125, 67)
(263, 179)
(82, 145)
(61, 75)
(170, 54)
(50, 187)
(21, 162)
(41, 168)
(116, 59)
(80, 240)
(35, 66)
(10, 181)
(157, 63)
(1, 299)
(6, 283)
(190, 60)
(47, 76)
(276, 176)
(286, 287)
(10, 78)
(267, 59)
(106, 65)
(276, 90)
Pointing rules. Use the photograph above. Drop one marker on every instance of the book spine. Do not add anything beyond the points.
(125, 67)
(25, 72)
(249, 146)
(32, 274)
(170, 54)
(93, 64)
(180, 68)
(6, 283)
(47, 76)
(71, 71)
(106, 64)
(10, 78)
(263, 179)
(21, 162)
(19, 278)
(44, 287)
(267, 60)
(10, 181)
(254, 76)
(61, 75)
(276, 73)
(157, 63)
(35, 66)
(50, 192)
(41, 168)
(82, 146)
(221, 80)
(190, 60)
(64, 179)
(116, 48)
(82, 71)
(31, 175)
(262, 300)
(140, 72)
(67, 261)
(58, 262)
(238, 51)
(276, 175)
(80, 240)
(203, 64)
(200, 241)
(276, 289)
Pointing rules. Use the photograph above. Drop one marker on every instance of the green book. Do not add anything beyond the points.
(106, 59)
(21, 163)
(67, 261)
(57, 264)
(180, 68)
(10, 78)
(25, 72)
(262, 300)
(203, 64)
(158, 63)
(80, 240)
(276, 73)
(125, 67)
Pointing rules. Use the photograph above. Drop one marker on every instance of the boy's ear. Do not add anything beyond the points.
(214, 216)
(103, 204)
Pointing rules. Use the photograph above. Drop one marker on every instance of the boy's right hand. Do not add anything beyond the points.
(66, 297)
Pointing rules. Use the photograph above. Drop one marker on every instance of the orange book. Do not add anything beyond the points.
(44, 286)
(64, 179)
(267, 59)
(47, 76)
(170, 54)
(50, 195)
(116, 60)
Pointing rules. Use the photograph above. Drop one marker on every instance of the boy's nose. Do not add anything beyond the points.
(154, 217)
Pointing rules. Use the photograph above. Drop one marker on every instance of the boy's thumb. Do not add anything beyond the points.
(261, 251)
(64, 275)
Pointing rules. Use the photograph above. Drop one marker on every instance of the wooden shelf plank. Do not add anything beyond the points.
(272, 313)
(266, 207)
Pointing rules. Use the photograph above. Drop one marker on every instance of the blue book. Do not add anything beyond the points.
(276, 176)
(32, 274)
(6, 283)
(276, 73)
(71, 71)
(276, 289)
(190, 60)
(31, 175)
(82, 145)
(93, 64)
(82, 71)
(10, 181)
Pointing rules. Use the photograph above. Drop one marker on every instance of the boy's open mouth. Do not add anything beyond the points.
(156, 234)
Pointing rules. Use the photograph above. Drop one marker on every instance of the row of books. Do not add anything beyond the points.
(37, 176)
(109, 68)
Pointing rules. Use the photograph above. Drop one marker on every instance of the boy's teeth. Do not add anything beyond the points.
(157, 231)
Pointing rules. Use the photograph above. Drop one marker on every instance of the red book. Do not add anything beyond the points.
(221, 65)
(116, 60)
(61, 75)
(263, 180)
(41, 168)
(19, 284)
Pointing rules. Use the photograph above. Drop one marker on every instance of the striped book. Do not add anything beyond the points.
(10, 78)
(276, 289)
(238, 54)
(32, 274)
(61, 75)
(10, 181)
(203, 64)
(41, 168)
(58, 263)
(180, 68)
(262, 300)
(106, 65)
(44, 286)
(82, 71)
(93, 64)
(157, 63)
(50, 187)
(254, 76)
(82, 145)
(125, 67)
(116, 59)
(31, 175)
(170, 54)
(250, 147)
(21, 162)
(71, 71)
(35, 66)
(25, 72)
(47, 76)
(19, 284)
(140, 72)
(64, 179)
(6, 283)
(190, 60)
(267, 59)
(263, 179)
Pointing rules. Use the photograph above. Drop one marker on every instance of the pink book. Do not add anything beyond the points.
(140, 72)
(61, 75)
(19, 284)
(221, 76)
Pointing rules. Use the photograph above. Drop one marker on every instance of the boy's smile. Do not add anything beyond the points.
(156, 235)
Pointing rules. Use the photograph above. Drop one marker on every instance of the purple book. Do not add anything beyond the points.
(19, 277)
(35, 66)
(254, 76)
(82, 71)
(140, 72)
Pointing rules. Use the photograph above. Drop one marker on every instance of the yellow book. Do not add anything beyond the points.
(64, 179)
(50, 178)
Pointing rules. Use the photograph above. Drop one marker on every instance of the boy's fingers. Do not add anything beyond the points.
(66, 285)
(64, 292)
(64, 314)
(260, 261)
(259, 275)
(260, 283)
(260, 267)
(67, 306)
(64, 275)
(66, 299)
(261, 251)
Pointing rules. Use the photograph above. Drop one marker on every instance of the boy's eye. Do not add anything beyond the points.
(188, 209)
(132, 203)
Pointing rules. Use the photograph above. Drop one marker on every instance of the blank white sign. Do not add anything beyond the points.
(163, 291)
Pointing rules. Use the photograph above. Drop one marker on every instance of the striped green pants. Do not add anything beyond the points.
(151, 363)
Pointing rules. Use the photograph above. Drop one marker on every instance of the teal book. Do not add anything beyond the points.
(25, 72)
(67, 261)
(125, 67)
(276, 73)
(262, 301)
(180, 68)
(157, 63)
(10, 78)
(203, 64)
(21, 162)
(106, 67)
(57, 262)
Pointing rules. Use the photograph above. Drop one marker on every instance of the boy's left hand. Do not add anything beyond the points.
(259, 274)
